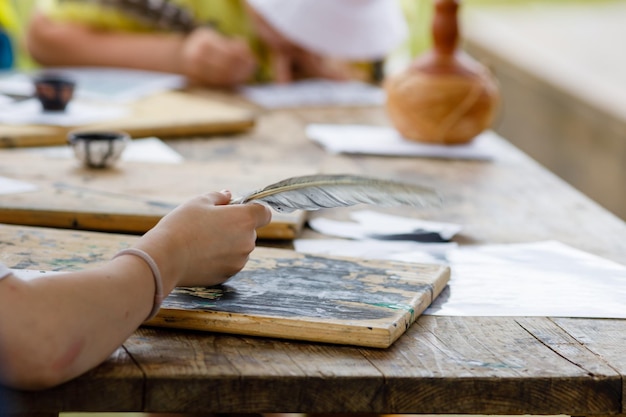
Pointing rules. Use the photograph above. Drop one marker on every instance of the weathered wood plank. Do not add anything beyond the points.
(169, 114)
(131, 197)
(493, 365)
(284, 294)
(606, 339)
(24, 247)
(236, 374)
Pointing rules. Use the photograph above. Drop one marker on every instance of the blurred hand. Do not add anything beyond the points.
(204, 241)
(212, 59)
(291, 62)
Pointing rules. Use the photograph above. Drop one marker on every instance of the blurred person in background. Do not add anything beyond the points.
(221, 43)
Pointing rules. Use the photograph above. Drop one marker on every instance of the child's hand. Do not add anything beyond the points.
(204, 241)
(211, 59)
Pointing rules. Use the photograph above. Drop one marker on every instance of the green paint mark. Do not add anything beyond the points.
(492, 365)
(394, 306)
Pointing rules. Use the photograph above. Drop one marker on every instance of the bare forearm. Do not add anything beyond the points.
(61, 326)
(204, 56)
(54, 44)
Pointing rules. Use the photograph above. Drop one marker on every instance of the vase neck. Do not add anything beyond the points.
(445, 27)
(445, 57)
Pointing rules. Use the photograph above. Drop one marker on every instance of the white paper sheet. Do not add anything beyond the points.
(13, 186)
(377, 249)
(314, 93)
(386, 141)
(150, 149)
(101, 84)
(536, 279)
(5, 100)
(370, 224)
(77, 113)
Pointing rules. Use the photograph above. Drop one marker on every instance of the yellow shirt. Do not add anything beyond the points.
(227, 16)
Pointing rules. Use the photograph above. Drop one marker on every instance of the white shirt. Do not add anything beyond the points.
(4, 271)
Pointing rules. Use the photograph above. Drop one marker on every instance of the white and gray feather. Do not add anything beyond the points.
(313, 192)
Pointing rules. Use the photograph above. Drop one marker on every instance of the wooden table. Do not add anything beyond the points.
(443, 365)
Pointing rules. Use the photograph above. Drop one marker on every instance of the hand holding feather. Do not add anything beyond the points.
(313, 192)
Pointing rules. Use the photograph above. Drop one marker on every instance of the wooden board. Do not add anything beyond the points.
(284, 294)
(130, 197)
(166, 115)
(279, 293)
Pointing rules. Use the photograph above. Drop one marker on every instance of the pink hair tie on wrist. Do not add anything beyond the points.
(156, 274)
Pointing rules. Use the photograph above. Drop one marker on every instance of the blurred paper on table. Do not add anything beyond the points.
(13, 186)
(138, 150)
(29, 112)
(151, 150)
(5, 100)
(434, 253)
(382, 236)
(534, 279)
(314, 93)
(373, 225)
(386, 141)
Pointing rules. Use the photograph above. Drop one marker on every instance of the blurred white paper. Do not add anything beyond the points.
(370, 224)
(376, 249)
(545, 279)
(386, 141)
(314, 93)
(150, 149)
(29, 112)
(381, 223)
(103, 84)
(12, 186)
(535, 279)
(5, 100)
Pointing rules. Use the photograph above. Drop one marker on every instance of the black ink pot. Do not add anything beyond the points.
(98, 149)
(54, 91)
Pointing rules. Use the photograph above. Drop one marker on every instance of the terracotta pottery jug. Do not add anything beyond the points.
(443, 96)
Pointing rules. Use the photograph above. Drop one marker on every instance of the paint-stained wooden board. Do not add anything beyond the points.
(284, 294)
(167, 115)
(130, 197)
(279, 293)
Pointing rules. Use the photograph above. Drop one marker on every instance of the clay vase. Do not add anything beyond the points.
(443, 96)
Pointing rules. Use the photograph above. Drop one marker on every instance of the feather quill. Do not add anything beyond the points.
(313, 192)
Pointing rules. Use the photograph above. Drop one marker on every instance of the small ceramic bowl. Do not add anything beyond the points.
(54, 91)
(98, 149)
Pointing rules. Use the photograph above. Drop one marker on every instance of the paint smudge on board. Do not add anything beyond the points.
(310, 287)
